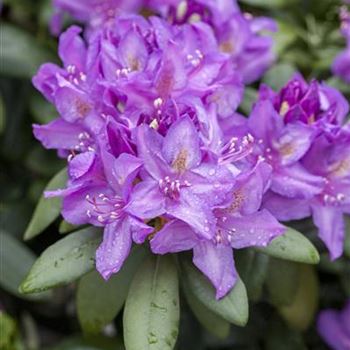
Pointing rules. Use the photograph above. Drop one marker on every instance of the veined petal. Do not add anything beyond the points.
(330, 223)
(58, 134)
(146, 201)
(149, 144)
(81, 164)
(296, 182)
(286, 209)
(181, 145)
(216, 262)
(191, 209)
(257, 229)
(175, 236)
(125, 170)
(139, 230)
(114, 248)
(294, 142)
(72, 50)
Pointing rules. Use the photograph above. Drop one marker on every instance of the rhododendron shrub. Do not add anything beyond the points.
(204, 169)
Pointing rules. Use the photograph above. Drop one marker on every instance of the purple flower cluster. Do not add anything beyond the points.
(240, 36)
(334, 327)
(306, 141)
(341, 65)
(156, 150)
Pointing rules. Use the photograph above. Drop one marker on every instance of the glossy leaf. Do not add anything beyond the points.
(233, 307)
(16, 261)
(211, 321)
(99, 301)
(64, 261)
(47, 209)
(292, 246)
(151, 314)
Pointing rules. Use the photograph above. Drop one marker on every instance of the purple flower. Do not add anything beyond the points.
(328, 157)
(96, 13)
(176, 182)
(70, 90)
(98, 193)
(341, 65)
(334, 327)
(239, 224)
(239, 35)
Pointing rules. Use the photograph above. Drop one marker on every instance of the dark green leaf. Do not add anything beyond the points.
(269, 3)
(252, 267)
(20, 54)
(151, 314)
(16, 261)
(292, 246)
(42, 110)
(233, 307)
(48, 209)
(282, 281)
(66, 227)
(212, 322)
(300, 314)
(64, 261)
(250, 97)
(99, 301)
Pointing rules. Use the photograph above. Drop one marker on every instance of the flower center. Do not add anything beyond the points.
(105, 209)
(172, 188)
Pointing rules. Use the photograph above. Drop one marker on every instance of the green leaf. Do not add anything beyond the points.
(279, 336)
(347, 237)
(48, 209)
(151, 314)
(233, 307)
(252, 267)
(16, 261)
(9, 335)
(300, 314)
(269, 3)
(2, 115)
(282, 281)
(64, 261)
(250, 96)
(99, 301)
(89, 343)
(66, 227)
(212, 322)
(21, 54)
(292, 246)
(278, 75)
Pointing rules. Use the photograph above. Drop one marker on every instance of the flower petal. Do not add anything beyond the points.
(114, 248)
(216, 262)
(193, 211)
(181, 145)
(286, 209)
(257, 229)
(146, 201)
(175, 236)
(149, 144)
(296, 182)
(330, 223)
(58, 134)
